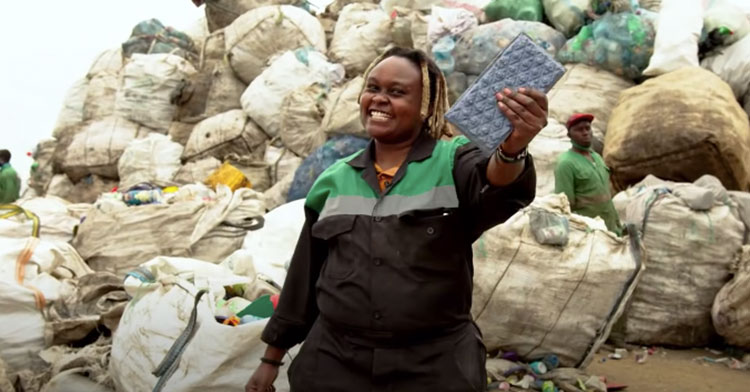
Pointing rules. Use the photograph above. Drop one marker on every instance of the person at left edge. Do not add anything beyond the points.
(379, 287)
(10, 183)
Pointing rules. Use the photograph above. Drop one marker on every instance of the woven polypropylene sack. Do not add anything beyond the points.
(678, 127)
(151, 87)
(342, 115)
(109, 62)
(214, 88)
(216, 357)
(732, 65)
(677, 35)
(98, 146)
(301, 116)
(690, 253)
(731, 309)
(101, 94)
(27, 285)
(254, 38)
(294, 69)
(154, 159)
(224, 134)
(56, 222)
(103, 82)
(536, 299)
(42, 173)
(362, 31)
(221, 13)
(119, 238)
(87, 190)
(71, 113)
(196, 171)
(180, 131)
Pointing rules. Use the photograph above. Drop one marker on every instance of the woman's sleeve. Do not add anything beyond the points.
(297, 309)
(486, 205)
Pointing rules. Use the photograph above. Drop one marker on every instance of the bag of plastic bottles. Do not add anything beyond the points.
(325, 156)
(517, 10)
(476, 48)
(151, 36)
(566, 15)
(548, 227)
(620, 43)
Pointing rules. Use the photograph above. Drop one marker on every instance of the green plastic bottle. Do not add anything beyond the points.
(549, 386)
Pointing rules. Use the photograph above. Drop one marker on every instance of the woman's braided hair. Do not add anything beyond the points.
(434, 89)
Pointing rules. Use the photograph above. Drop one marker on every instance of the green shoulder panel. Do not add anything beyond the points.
(345, 183)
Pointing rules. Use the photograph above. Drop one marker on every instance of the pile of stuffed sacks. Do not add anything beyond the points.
(173, 181)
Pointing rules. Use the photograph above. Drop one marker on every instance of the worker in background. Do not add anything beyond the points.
(10, 184)
(583, 177)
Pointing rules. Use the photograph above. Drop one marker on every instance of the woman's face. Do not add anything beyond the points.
(391, 101)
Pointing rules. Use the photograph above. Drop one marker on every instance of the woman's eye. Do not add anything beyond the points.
(371, 88)
(397, 92)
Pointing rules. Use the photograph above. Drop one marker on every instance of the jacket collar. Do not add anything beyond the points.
(420, 150)
(365, 161)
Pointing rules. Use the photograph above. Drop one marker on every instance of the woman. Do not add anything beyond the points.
(379, 288)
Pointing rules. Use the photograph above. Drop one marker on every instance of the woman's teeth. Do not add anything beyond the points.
(379, 115)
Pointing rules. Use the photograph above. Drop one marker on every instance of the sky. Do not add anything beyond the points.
(49, 44)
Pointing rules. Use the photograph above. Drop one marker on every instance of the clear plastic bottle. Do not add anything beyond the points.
(442, 51)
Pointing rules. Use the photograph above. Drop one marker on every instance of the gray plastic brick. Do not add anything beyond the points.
(521, 64)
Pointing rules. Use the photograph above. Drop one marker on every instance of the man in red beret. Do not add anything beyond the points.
(582, 175)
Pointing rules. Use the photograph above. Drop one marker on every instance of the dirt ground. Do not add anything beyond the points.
(671, 371)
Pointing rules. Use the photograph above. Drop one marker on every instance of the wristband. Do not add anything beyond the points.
(500, 155)
(272, 362)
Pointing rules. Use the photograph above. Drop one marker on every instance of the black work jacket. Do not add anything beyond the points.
(391, 265)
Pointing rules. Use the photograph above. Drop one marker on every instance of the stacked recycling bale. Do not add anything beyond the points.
(270, 91)
(679, 126)
(245, 63)
(693, 234)
(251, 61)
(112, 106)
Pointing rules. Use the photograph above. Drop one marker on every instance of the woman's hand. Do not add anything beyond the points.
(526, 109)
(262, 379)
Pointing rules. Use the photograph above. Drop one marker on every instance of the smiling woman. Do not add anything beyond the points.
(379, 287)
(42, 66)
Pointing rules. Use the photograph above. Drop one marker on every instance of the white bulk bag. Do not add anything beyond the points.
(151, 86)
(537, 299)
(29, 273)
(676, 44)
(692, 234)
(273, 245)
(257, 36)
(362, 31)
(294, 69)
(154, 159)
(217, 357)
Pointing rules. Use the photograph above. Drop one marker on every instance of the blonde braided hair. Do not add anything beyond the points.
(434, 90)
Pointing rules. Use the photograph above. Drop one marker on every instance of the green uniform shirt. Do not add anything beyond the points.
(586, 184)
(10, 184)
